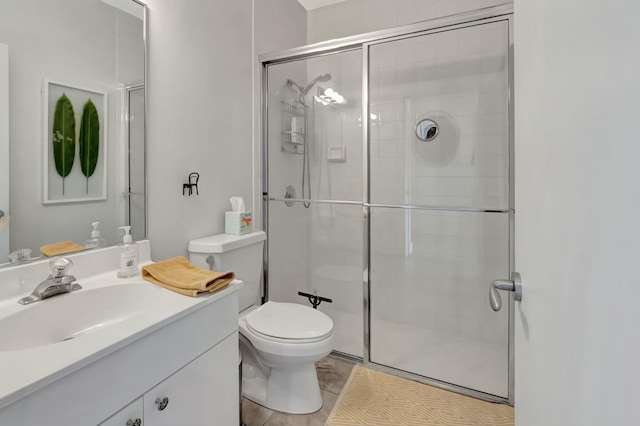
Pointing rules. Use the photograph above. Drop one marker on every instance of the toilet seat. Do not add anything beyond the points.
(289, 322)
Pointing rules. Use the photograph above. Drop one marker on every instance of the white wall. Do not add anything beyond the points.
(202, 66)
(577, 227)
(200, 117)
(361, 16)
(41, 48)
(279, 24)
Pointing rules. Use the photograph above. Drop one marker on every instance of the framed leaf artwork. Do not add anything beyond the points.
(75, 144)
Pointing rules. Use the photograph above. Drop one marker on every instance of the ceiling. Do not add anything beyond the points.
(315, 4)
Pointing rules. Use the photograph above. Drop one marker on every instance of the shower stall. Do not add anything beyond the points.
(388, 188)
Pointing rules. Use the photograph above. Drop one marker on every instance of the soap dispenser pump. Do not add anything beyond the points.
(128, 255)
(96, 239)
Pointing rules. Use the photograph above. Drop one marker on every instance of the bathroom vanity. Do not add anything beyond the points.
(117, 352)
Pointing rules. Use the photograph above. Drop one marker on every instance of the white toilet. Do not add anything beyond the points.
(279, 342)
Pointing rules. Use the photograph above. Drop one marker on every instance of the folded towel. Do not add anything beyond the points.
(60, 248)
(180, 275)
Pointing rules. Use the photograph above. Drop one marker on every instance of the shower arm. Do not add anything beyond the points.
(301, 93)
(293, 83)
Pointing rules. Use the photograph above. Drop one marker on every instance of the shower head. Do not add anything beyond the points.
(322, 78)
(303, 91)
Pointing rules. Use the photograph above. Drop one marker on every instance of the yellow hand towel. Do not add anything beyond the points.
(180, 275)
(60, 248)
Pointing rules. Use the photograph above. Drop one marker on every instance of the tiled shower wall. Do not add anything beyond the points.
(459, 78)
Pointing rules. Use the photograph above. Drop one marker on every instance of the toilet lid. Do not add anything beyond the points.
(289, 321)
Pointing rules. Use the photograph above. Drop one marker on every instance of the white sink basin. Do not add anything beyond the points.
(48, 340)
(69, 316)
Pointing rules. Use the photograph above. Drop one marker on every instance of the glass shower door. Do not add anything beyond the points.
(314, 186)
(135, 200)
(4, 153)
(440, 209)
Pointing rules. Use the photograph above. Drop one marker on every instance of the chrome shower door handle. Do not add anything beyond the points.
(515, 285)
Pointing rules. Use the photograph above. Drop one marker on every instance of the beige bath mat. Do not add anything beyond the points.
(372, 398)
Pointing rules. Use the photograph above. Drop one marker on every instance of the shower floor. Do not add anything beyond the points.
(444, 356)
(333, 376)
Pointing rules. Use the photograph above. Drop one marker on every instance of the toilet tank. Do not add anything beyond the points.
(241, 254)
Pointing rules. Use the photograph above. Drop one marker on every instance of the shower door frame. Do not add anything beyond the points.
(364, 42)
(128, 194)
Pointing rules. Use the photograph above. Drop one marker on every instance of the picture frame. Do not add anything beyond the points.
(80, 180)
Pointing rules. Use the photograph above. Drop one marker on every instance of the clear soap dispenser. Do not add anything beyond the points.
(96, 239)
(128, 255)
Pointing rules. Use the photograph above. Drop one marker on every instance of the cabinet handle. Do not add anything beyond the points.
(136, 422)
(162, 403)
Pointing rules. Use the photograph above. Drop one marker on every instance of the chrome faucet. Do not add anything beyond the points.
(58, 282)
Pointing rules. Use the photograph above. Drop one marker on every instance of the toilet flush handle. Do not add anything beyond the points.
(210, 261)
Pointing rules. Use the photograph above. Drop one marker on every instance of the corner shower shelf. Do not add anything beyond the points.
(292, 148)
(293, 137)
(293, 107)
(294, 113)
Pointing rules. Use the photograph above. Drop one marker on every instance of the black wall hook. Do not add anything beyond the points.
(192, 183)
(314, 299)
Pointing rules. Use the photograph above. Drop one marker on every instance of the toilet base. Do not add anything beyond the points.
(294, 391)
(281, 375)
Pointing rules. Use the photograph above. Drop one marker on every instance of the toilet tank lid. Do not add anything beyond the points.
(222, 243)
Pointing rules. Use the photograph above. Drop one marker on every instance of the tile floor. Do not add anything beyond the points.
(332, 375)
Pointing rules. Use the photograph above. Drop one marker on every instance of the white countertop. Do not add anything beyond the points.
(25, 371)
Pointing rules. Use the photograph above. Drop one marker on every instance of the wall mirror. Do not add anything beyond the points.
(86, 50)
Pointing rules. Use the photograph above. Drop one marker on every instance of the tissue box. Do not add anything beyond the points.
(238, 223)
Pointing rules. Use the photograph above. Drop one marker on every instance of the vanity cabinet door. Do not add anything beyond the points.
(203, 393)
(131, 415)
